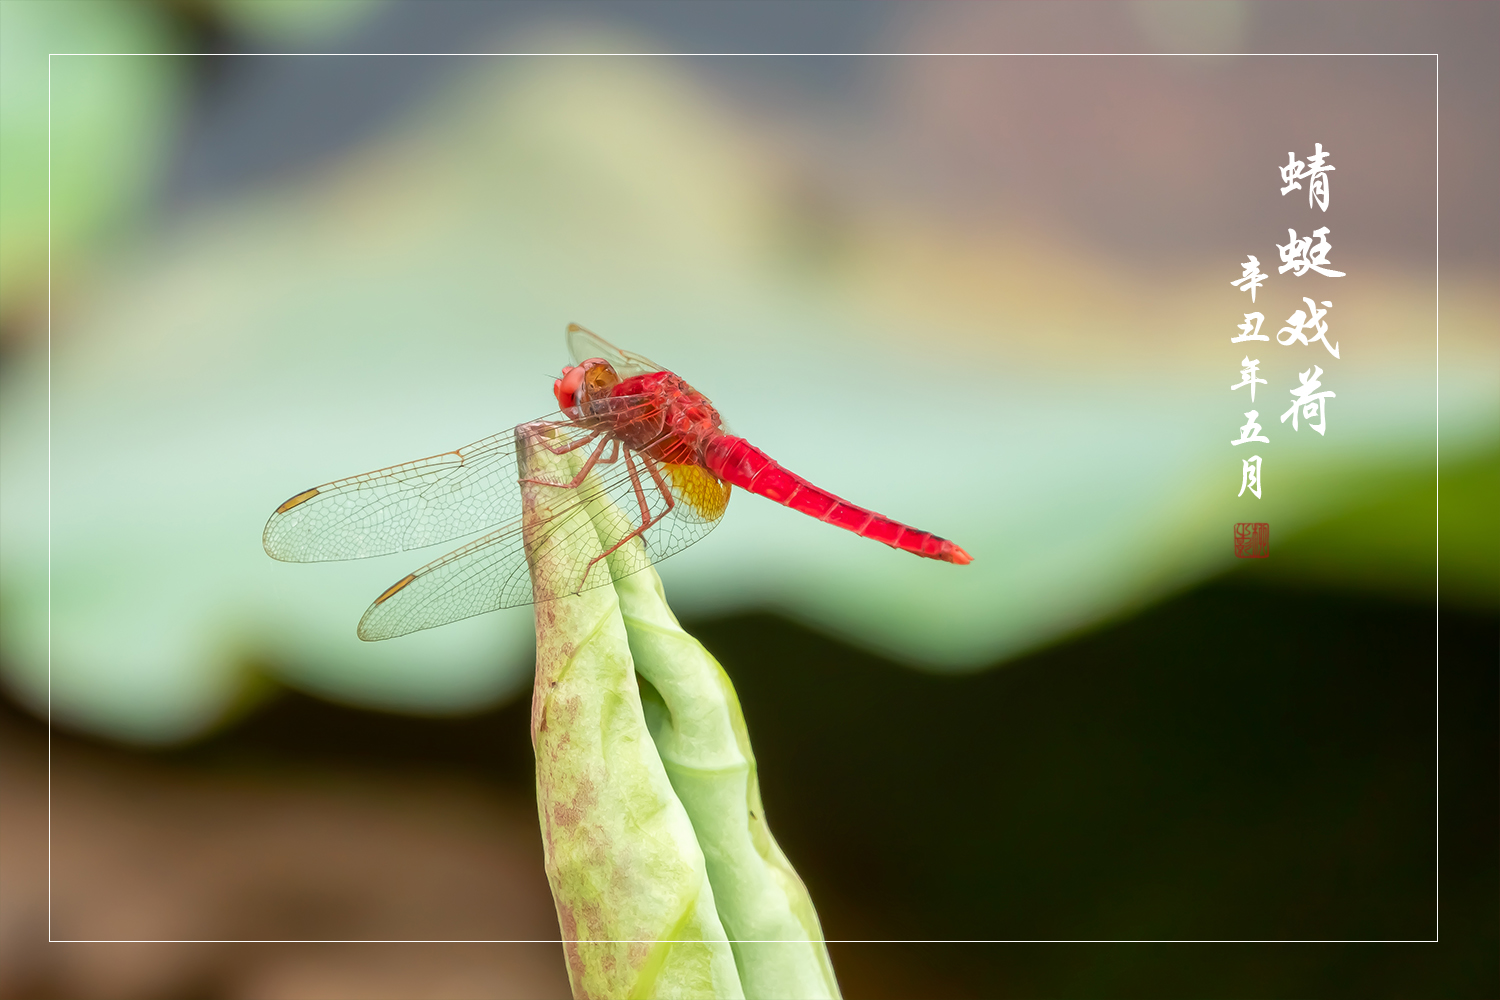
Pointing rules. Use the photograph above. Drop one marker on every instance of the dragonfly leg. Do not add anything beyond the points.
(661, 485)
(571, 447)
(646, 519)
(587, 466)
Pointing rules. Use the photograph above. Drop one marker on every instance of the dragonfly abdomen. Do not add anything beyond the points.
(740, 463)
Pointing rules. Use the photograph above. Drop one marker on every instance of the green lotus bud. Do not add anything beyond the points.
(633, 897)
(666, 877)
(699, 731)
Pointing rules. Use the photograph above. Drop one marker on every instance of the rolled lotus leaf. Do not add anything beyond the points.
(688, 708)
(634, 900)
(699, 730)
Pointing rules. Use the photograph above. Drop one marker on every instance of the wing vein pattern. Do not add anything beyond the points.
(490, 572)
(406, 506)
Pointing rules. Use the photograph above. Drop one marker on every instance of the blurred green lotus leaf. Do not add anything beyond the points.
(307, 21)
(96, 112)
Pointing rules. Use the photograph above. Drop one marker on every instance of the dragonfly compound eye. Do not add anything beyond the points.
(566, 389)
(600, 376)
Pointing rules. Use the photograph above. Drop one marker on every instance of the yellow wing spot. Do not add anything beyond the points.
(302, 497)
(702, 490)
(408, 578)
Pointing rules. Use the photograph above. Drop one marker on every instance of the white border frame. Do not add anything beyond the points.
(1437, 515)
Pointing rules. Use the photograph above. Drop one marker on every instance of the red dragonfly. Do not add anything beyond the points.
(655, 446)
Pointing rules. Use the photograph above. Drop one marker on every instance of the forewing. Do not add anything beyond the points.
(584, 344)
(406, 506)
(491, 572)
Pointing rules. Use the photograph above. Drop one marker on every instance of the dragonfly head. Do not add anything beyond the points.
(594, 377)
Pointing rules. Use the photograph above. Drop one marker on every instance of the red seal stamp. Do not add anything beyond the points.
(1252, 541)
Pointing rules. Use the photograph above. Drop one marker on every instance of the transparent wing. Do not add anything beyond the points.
(668, 507)
(584, 344)
(406, 506)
